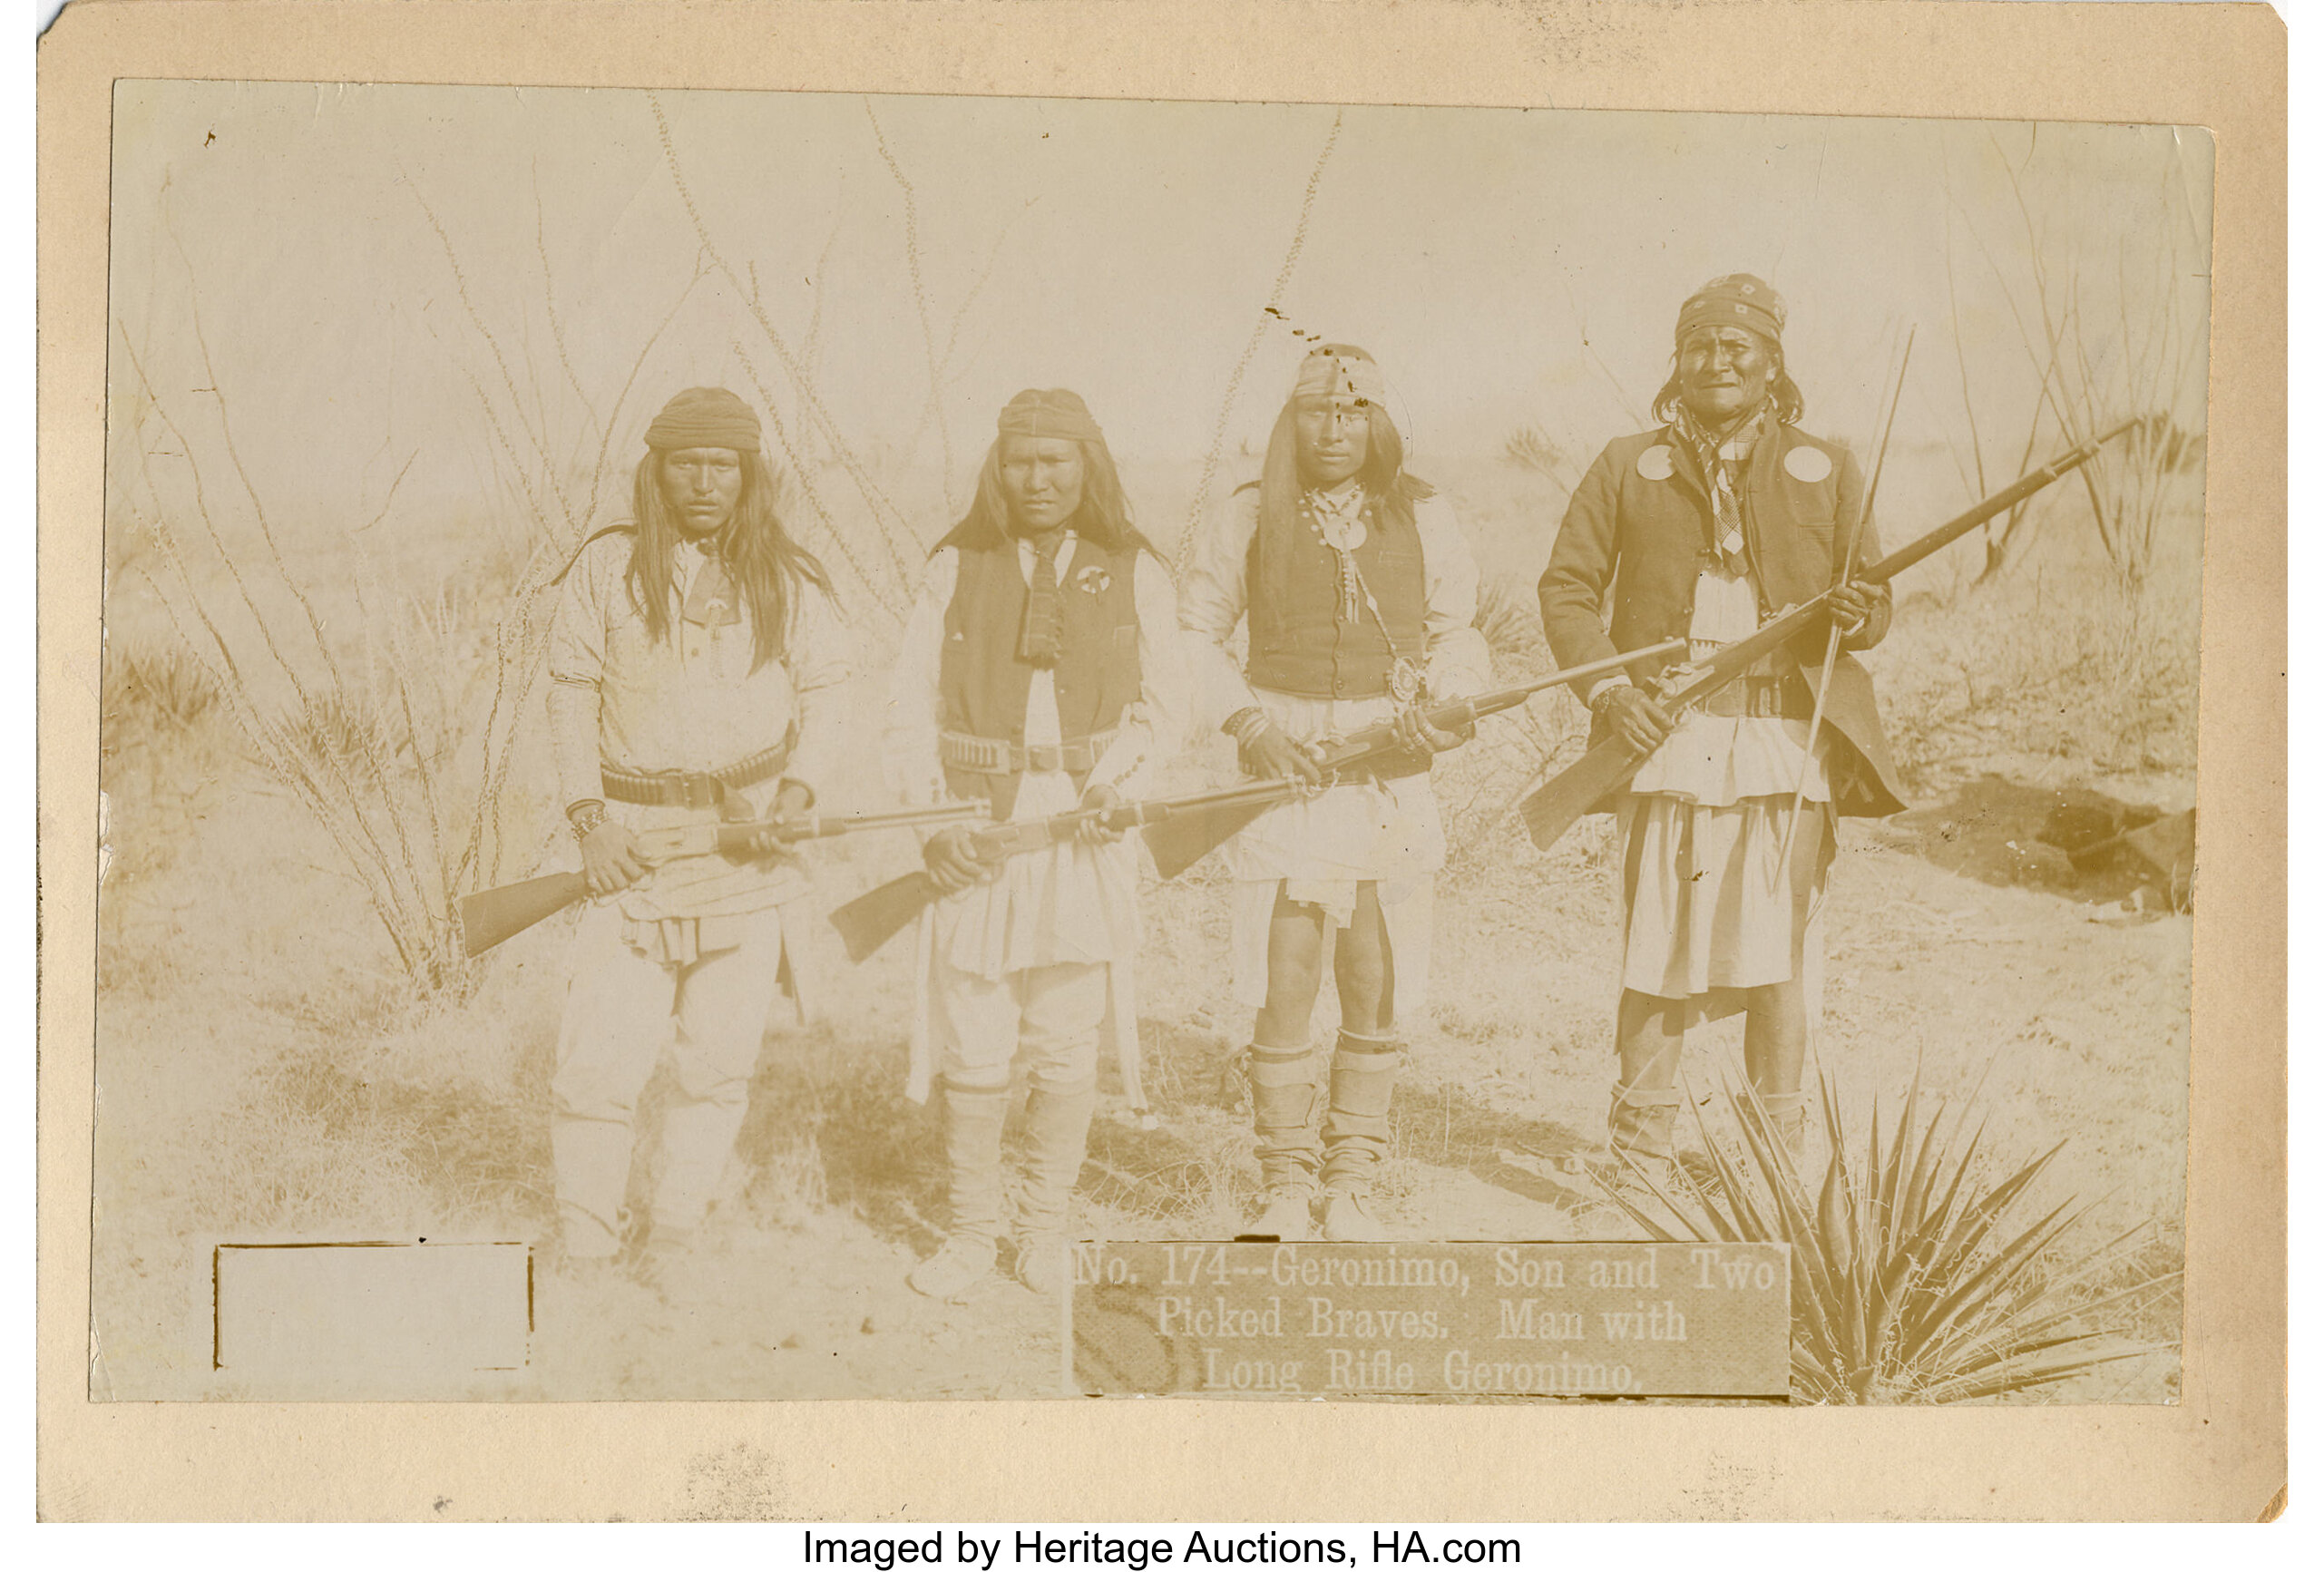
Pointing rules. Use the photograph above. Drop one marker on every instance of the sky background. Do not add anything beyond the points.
(1507, 267)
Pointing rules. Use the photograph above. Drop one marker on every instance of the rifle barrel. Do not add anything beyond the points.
(1510, 698)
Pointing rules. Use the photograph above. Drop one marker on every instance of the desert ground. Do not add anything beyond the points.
(269, 1069)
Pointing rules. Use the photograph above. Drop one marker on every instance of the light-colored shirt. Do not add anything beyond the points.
(687, 700)
(1217, 594)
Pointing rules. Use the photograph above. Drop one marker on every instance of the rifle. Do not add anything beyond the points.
(1832, 640)
(1551, 811)
(878, 916)
(1186, 838)
(494, 916)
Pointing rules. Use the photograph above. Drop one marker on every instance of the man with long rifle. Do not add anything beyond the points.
(695, 663)
(1359, 594)
(1708, 527)
(1038, 671)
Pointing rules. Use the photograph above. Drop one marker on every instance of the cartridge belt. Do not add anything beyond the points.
(1786, 697)
(990, 755)
(689, 788)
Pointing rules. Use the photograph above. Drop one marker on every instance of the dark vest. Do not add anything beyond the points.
(983, 683)
(1300, 642)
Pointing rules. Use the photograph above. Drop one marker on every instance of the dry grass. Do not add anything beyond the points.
(268, 1070)
(2091, 679)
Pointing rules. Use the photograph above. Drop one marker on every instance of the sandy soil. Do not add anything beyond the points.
(250, 1091)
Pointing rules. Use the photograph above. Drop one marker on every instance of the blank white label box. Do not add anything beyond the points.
(386, 1317)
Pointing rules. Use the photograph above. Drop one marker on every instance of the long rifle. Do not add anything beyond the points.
(1832, 640)
(878, 916)
(1551, 811)
(494, 916)
(1183, 839)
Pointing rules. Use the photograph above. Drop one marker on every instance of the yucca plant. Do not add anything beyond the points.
(1912, 1279)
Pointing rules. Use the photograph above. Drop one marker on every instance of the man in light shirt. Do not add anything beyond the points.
(1360, 593)
(695, 660)
(1039, 672)
(1721, 518)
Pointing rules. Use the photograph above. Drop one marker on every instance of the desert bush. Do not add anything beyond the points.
(2100, 676)
(1509, 617)
(2116, 338)
(1915, 1278)
(1534, 449)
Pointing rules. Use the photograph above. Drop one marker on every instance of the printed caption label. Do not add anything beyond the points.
(1565, 1320)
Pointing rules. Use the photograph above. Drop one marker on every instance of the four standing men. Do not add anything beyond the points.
(1723, 516)
(695, 659)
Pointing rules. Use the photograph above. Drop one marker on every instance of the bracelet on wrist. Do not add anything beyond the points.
(1247, 723)
(586, 817)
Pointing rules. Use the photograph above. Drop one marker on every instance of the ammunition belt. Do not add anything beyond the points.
(686, 788)
(1785, 698)
(990, 755)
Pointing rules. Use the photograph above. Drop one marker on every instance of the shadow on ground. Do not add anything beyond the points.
(2062, 841)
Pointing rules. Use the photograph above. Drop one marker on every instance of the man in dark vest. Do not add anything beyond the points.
(1360, 592)
(1039, 672)
(1704, 527)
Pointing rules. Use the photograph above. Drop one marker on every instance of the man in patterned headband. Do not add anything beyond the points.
(1360, 593)
(694, 661)
(1705, 527)
(1038, 671)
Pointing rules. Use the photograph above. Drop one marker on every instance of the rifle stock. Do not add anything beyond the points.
(492, 917)
(1552, 809)
(873, 918)
(879, 914)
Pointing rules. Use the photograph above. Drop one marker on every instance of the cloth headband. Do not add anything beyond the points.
(1049, 413)
(1735, 300)
(704, 417)
(1341, 371)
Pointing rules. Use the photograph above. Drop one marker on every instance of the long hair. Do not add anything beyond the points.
(1383, 473)
(1102, 519)
(762, 561)
(1790, 403)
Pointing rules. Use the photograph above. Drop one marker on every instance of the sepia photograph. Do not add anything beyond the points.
(752, 742)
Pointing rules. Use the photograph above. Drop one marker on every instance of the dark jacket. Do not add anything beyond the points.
(1639, 527)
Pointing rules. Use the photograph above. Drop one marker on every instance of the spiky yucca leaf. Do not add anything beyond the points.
(1911, 1279)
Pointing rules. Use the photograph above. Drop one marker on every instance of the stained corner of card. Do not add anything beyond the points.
(1470, 1320)
(369, 1319)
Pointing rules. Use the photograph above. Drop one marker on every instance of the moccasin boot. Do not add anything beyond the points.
(1287, 1216)
(1056, 1139)
(1638, 1138)
(1355, 1127)
(1290, 1149)
(1348, 1220)
(592, 1162)
(1787, 1115)
(973, 1117)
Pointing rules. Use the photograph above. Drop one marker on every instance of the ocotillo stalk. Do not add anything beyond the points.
(1832, 641)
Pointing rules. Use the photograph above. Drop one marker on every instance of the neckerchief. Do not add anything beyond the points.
(1722, 465)
(1042, 639)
